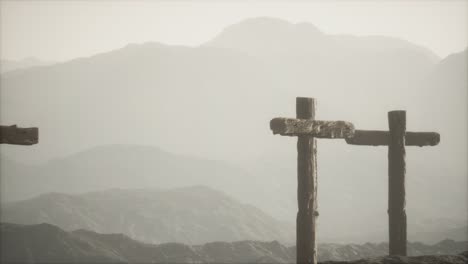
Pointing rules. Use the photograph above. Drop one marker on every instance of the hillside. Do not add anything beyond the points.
(143, 167)
(117, 166)
(47, 243)
(190, 215)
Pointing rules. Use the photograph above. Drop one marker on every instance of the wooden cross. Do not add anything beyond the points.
(396, 139)
(307, 129)
(19, 136)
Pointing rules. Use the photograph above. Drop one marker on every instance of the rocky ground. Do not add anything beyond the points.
(443, 259)
(45, 243)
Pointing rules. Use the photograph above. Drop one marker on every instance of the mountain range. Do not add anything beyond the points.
(72, 190)
(191, 215)
(47, 243)
(214, 102)
(116, 166)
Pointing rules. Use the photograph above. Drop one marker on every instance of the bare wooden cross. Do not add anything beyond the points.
(19, 136)
(396, 139)
(307, 129)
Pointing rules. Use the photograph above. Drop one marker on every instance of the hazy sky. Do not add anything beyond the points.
(61, 30)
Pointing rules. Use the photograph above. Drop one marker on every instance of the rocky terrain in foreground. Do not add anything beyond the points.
(444, 259)
(47, 243)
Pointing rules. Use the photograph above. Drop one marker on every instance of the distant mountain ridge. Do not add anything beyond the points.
(47, 243)
(11, 65)
(148, 169)
(190, 215)
(115, 166)
(257, 36)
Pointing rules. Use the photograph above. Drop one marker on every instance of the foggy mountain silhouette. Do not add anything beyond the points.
(47, 243)
(449, 80)
(11, 65)
(191, 215)
(264, 35)
(215, 101)
(117, 166)
(135, 166)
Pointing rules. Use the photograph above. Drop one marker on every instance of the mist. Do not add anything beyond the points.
(141, 128)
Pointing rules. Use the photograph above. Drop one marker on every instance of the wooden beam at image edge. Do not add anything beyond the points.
(19, 136)
(380, 138)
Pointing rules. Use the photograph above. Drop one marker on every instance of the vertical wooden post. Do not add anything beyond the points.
(396, 183)
(307, 187)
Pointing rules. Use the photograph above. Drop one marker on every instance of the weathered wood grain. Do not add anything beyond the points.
(396, 183)
(306, 187)
(369, 138)
(421, 139)
(381, 138)
(315, 128)
(19, 136)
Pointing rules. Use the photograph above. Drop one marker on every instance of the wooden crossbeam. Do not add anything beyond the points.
(381, 138)
(315, 128)
(19, 136)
